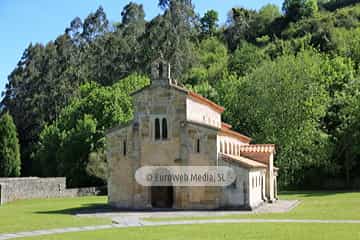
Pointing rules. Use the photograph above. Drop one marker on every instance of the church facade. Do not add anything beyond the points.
(173, 126)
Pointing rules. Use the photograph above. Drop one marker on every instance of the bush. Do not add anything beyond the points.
(9, 148)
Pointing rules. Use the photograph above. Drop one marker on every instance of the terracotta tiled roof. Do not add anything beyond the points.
(246, 162)
(263, 148)
(205, 101)
(226, 125)
(225, 129)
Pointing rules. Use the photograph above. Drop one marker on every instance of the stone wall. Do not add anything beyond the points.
(12, 189)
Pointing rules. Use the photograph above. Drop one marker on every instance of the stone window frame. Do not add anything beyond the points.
(164, 129)
(197, 143)
(121, 140)
(160, 117)
(124, 147)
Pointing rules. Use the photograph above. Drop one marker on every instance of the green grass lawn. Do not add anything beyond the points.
(268, 231)
(57, 213)
(314, 205)
(27, 215)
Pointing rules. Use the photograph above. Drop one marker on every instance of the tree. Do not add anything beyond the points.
(347, 43)
(272, 110)
(209, 23)
(95, 24)
(246, 58)
(43, 82)
(206, 90)
(72, 144)
(9, 148)
(348, 150)
(170, 36)
(212, 59)
(332, 5)
(265, 17)
(297, 9)
(130, 31)
(133, 15)
(240, 27)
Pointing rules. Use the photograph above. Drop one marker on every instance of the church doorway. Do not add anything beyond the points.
(162, 196)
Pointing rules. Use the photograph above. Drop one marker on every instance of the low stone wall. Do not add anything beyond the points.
(12, 189)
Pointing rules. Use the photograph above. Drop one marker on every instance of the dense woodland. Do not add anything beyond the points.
(287, 76)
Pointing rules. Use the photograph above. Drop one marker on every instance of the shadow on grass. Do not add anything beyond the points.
(84, 209)
(104, 208)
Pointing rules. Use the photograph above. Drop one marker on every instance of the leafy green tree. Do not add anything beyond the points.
(265, 17)
(269, 13)
(206, 90)
(94, 25)
(332, 5)
(283, 102)
(246, 58)
(71, 144)
(342, 118)
(208, 23)
(132, 27)
(212, 59)
(347, 43)
(347, 150)
(240, 26)
(43, 82)
(9, 148)
(297, 9)
(170, 36)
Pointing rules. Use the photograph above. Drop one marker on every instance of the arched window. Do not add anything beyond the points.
(225, 148)
(230, 148)
(238, 150)
(198, 145)
(164, 129)
(124, 147)
(157, 129)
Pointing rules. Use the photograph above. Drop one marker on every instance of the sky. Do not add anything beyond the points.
(29, 21)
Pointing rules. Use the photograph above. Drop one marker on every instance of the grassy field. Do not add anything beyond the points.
(27, 215)
(269, 231)
(314, 205)
(56, 213)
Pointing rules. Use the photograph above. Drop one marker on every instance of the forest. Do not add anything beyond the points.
(288, 76)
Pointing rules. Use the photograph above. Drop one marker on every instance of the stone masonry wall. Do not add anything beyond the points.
(12, 189)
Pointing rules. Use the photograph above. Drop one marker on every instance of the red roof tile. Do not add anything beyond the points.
(249, 163)
(206, 101)
(227, 131)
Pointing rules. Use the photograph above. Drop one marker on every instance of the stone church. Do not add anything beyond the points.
(173, 126)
